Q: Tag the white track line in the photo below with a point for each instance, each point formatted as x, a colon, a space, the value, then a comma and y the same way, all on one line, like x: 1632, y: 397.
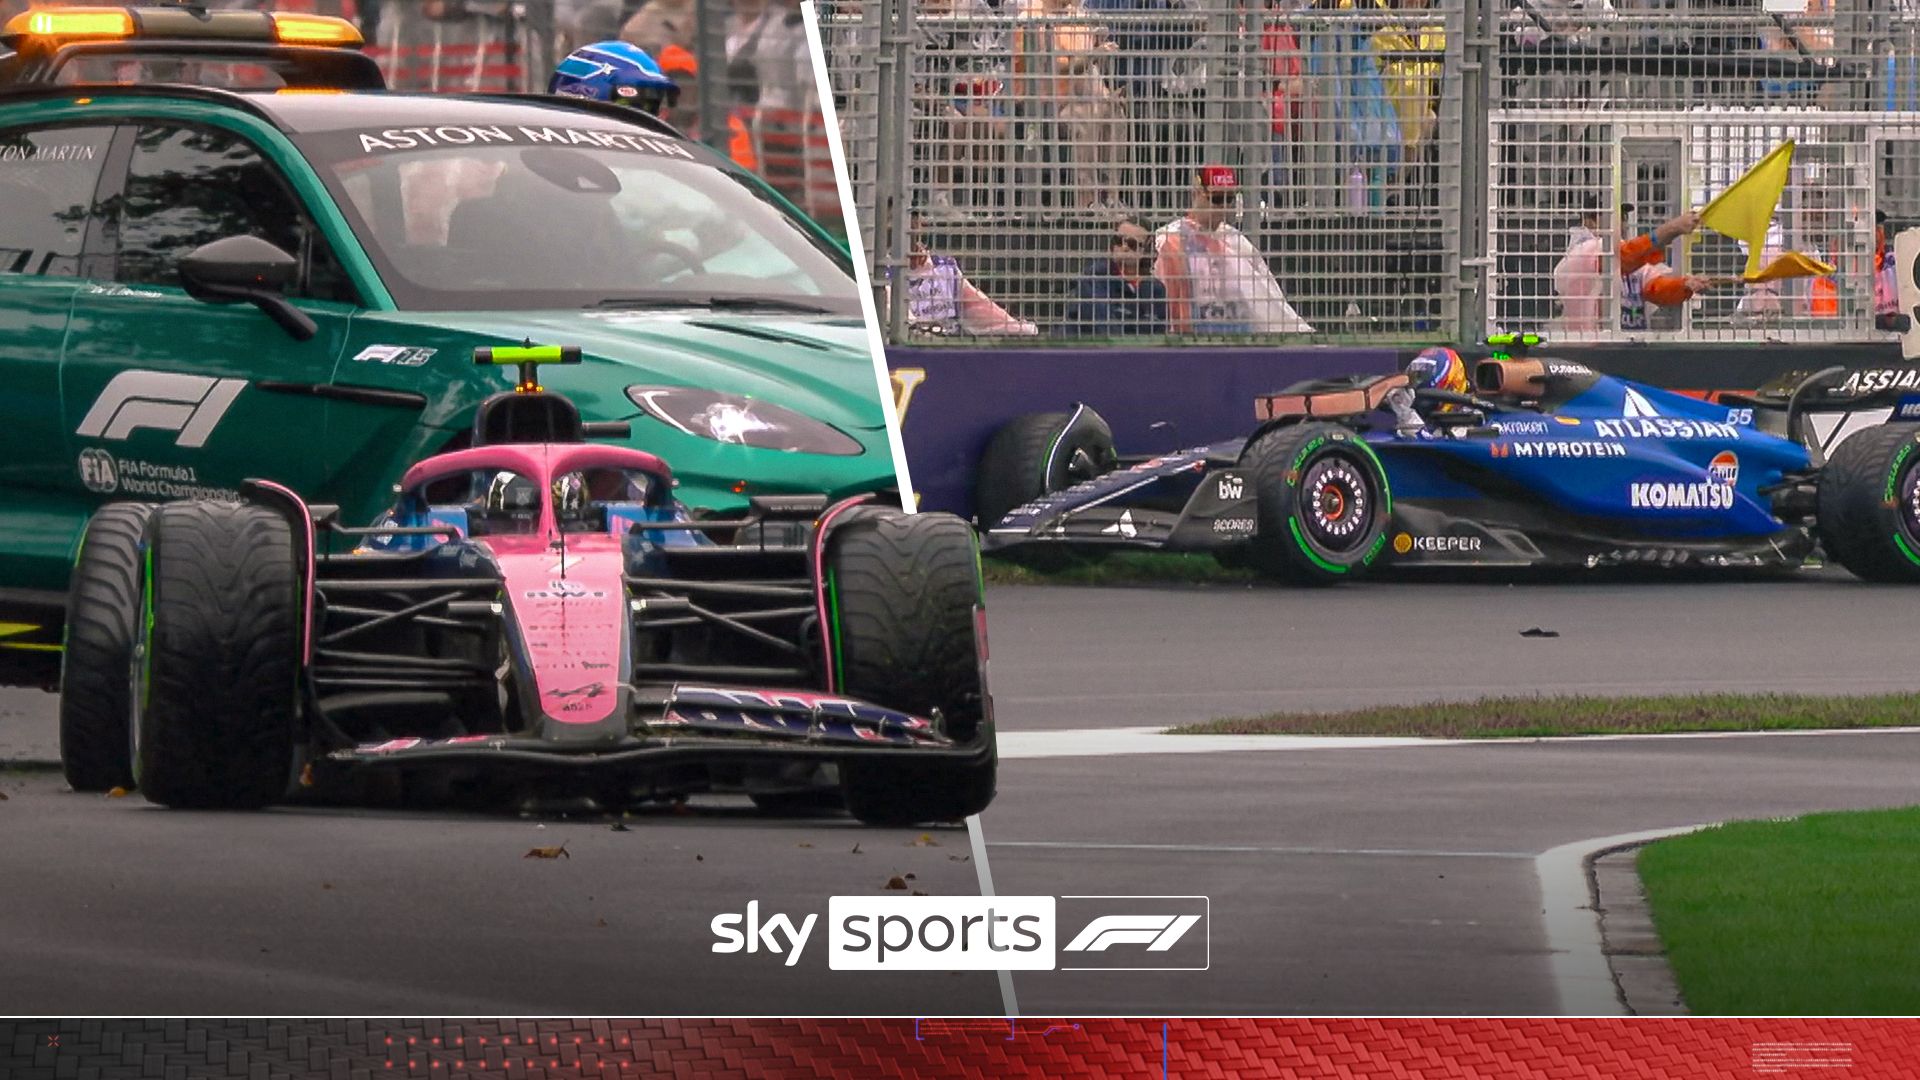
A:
x: 1110, y: 742
x: 1239, y: 849
x: 1581, y: 975
x: 977, y: 837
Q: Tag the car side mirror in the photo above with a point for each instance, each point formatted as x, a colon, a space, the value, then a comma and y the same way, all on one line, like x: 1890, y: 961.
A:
x: 247, y: 269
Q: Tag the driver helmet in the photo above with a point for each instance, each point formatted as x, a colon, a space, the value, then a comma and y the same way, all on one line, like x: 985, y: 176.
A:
x: 570, y: 497
x: 618, y: 72
x: 512, y: 495
x: 1439, y: 368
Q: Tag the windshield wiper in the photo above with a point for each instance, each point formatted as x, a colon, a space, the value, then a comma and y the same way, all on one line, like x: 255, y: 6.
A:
x: 767, y: 303
x: 717, y: 303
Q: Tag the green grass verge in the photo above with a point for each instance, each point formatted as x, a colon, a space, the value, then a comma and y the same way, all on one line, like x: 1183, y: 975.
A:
x: 1120, y: 568
x: 1804, y: 917
x: 1526, y: 717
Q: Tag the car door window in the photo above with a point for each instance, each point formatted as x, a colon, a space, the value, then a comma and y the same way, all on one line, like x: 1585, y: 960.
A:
x: 188, y: 185
x: 47, y: 180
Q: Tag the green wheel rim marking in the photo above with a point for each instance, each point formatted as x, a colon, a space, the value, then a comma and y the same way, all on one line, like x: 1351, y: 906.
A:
x: 1893, y: 474
x: 146, y: 655
x: 1380, y: 470
x: 1301, y: 542
x: 833, y: 608
x: 979, y: 576
x: 1906, y: 549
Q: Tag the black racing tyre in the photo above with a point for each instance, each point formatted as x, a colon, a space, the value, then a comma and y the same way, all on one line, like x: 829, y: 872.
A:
x: 1868, y: 511
x: 103, y: 601
x: 797, y: 803
x: 1322, y: 504
x: 903, y: 590
x: 216, y: 672
x: 1022, y: 463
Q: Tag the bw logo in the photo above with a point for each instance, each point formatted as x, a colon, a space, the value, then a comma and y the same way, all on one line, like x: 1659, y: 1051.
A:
x: 1231, y: 487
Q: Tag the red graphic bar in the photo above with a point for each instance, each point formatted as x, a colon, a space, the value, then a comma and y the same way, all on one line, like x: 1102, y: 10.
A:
x: 1352, y: 1049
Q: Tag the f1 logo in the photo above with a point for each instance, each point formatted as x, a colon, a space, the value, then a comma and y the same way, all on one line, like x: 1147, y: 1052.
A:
x: 1157, y: 932
x: 1134, y: 933
x: 190, y: 405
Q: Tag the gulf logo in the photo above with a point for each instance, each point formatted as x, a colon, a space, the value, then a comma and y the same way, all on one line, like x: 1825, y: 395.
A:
x: 1724, y: 467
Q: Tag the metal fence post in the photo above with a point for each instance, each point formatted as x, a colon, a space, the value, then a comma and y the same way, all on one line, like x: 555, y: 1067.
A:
x: 1470, y: 23
x: 712, y: 79
x: 892, y: 154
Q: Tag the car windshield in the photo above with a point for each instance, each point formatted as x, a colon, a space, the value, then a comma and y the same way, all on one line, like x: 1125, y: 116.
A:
x: 487, y: 217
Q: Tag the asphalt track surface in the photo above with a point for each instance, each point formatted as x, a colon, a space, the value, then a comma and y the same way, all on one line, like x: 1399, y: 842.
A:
x: 1070, y: 657
x: 1399, y: 880
x: 1342, y: 881
x: 113, y: 906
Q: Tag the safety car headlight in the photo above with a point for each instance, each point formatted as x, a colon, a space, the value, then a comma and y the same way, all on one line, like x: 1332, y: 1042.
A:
x: 742, y: 421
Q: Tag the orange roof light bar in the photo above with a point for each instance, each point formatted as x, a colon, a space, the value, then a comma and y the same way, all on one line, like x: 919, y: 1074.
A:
x: 72, y: 23
x: 298, y: 29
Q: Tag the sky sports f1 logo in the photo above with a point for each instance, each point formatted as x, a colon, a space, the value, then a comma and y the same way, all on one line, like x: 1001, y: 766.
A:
x: 985, y: 933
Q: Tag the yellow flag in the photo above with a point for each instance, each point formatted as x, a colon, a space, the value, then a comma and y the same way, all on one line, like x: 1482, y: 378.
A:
x: 1744, y: 210
x: 1790, y: 265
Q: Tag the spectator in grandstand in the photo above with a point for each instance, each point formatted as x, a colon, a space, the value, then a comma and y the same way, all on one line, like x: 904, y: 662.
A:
x: 1886, y: 286
x: 1645, y: 277
x: 1162, y: 90
x: 961, y: 106
x: 1280, y: 48
x: 1119, y: 294
x: 587, y: 20
x: 1216, y: 281
x: 660, y: 23
x: 1064, y: 58
x: 940, y: 299
x: 783, y: 59
x: 679, y: 65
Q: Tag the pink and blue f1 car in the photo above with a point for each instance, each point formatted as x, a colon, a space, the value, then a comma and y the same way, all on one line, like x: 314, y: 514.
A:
x: 538, y: 611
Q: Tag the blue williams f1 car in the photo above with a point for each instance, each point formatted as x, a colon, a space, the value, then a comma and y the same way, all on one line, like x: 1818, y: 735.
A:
x: 1508, y: 462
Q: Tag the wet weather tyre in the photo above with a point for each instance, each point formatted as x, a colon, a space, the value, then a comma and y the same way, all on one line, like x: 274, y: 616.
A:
x: 902, y: 593
x: 103, y: 602
x: 1322, y: 507
x: 1033, y: 454
x: 1869, y: 504
x: 216, y: 671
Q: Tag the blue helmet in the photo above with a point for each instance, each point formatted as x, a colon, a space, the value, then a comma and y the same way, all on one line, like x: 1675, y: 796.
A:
x: 618, y: 72
x: 1439, y: 368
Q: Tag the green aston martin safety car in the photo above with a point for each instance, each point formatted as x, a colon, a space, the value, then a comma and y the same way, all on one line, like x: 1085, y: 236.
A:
x: 286, y: 278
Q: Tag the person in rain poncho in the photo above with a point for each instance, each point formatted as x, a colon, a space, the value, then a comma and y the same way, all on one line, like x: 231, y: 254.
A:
x: 1216, y: 281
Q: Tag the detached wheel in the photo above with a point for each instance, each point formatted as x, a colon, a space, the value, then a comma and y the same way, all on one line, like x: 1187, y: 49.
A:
x: 216, y: 672
x: 1323, y: 504
x: 903, y: 590
x: 1869, y: 504
x: 103, y: 600
x: 1034, y: 454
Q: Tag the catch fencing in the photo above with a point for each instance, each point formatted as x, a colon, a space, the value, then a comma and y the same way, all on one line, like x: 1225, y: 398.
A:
x: 1408, y: 171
